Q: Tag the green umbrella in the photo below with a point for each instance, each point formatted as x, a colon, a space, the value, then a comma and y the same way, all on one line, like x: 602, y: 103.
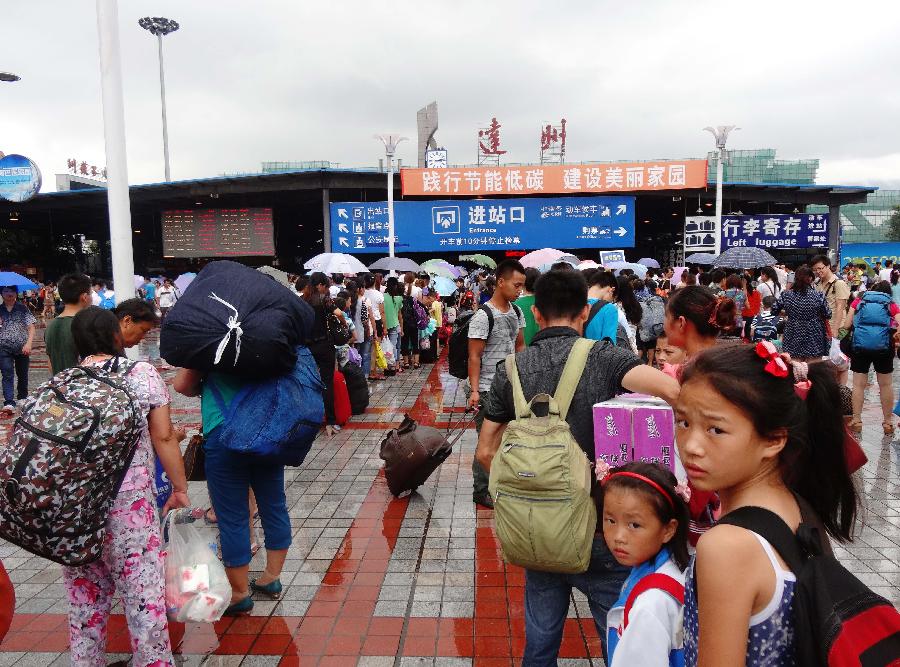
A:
x: 478, y: 258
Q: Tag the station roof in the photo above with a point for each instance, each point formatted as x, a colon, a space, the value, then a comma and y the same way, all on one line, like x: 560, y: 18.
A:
x: 350, y: 179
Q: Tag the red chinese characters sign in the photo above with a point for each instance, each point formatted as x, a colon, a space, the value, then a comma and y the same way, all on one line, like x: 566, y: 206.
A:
x: 555, y: 179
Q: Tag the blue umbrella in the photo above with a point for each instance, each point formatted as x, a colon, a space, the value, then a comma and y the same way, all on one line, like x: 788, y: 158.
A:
x: 739, y: 257
x: 444, y: 286
x: 648, y: 262
x: 639, y: 269
x: 12, y: 279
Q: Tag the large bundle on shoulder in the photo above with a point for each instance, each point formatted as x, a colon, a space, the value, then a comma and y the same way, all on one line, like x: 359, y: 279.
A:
x: 236, y: 320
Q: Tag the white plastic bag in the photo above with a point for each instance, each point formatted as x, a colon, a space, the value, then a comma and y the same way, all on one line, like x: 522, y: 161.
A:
x: 837, y: 357
x: 387, y: 347
x: 197, y: 589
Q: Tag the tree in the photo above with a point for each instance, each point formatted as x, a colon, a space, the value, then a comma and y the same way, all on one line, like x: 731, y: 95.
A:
x: 893, y: 226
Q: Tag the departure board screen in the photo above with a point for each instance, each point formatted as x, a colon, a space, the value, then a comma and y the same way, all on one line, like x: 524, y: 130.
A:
x: 218, y: 232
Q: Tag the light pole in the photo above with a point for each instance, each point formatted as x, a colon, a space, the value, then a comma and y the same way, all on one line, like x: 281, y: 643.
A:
x: 9, y: 77
x: 114, y: 135
x: 390, y: 142
x: 721, y: 133
x: 160, y: 26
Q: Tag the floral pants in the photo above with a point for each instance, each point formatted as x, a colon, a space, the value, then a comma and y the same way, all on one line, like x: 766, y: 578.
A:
x: 132, y: 562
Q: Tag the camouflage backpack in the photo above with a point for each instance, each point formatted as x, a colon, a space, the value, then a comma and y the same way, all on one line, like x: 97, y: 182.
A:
x: 63, y: 465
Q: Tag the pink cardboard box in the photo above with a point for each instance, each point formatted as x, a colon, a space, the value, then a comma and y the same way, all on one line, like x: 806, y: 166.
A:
x: 635, y: 427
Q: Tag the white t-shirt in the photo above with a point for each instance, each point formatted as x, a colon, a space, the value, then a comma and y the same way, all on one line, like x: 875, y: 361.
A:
x: 334, y: 289
x: 376, y: 298
x: 885, y: 274
x: 767, y: 289
x: 166, y: 297
x: 95, y: 298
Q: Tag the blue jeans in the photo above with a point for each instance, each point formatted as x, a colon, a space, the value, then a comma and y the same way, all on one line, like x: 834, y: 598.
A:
x: 394, y: 336
x: 14, y: 366
x: 547, y: 597
x: 365, y: 351
x: 230, y: 476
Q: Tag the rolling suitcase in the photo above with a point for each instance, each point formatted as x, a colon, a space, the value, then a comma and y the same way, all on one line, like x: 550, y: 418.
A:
x: 412, y: 452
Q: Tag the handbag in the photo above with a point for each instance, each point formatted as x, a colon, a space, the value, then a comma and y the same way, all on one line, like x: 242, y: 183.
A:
x: 195, y: 460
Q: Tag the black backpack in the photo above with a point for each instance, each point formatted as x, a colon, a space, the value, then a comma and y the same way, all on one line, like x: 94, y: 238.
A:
x: 838, y: 621
x: 458, y: 345
x: 621, y: 335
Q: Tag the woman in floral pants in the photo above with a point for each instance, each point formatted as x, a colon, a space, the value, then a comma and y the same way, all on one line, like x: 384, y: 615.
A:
x: 132, y: 560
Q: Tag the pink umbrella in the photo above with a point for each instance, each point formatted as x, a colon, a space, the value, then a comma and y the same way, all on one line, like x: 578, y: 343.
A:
x: 537, y: 258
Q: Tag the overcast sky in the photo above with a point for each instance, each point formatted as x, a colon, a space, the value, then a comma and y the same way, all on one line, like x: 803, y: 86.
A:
x: 283, y: 80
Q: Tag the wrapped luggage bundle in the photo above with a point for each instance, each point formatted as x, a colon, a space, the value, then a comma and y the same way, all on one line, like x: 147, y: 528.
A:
x: 236, y: 320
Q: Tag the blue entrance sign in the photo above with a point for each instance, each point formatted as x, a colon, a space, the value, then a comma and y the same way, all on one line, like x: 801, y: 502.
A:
x: 799, y: 230
x: 482, y: 224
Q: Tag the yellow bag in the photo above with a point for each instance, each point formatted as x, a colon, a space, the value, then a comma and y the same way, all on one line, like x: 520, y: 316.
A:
x: 380, y: 360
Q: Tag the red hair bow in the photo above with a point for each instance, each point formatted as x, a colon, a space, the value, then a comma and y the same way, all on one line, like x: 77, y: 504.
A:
x: 776, y: 365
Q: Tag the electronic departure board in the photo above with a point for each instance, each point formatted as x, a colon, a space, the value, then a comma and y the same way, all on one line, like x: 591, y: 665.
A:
x: 218, y: 232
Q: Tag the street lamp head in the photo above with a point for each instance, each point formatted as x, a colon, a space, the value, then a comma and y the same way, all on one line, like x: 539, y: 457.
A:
x: 9, y: 76
x: 158, y: 25
x: 390, y: 142
x: 721, y: 133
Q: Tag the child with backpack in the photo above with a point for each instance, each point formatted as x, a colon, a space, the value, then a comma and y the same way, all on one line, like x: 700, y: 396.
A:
x: 645, y: 525
x: 767, y: 324
x: 763, y: 432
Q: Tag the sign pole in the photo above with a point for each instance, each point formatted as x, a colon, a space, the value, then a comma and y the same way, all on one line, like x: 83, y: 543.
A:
x: 162, y: 97
x: 720, y: 169
x: 114, y: 135
x: 390, y: 199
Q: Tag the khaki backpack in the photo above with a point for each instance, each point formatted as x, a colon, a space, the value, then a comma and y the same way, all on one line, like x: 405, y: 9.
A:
x: 541, y: 479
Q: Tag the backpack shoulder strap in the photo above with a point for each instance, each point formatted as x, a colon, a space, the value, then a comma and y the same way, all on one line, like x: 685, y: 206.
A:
x: 594, y: 310
x: 512, y: 372
x: 773, y: 529
x: 653, y: 581
x: 490, y: 316
x: 571, y: 374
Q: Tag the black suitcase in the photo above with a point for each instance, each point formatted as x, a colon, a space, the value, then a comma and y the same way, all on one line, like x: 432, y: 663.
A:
x: 357, y: 387
x: 412, y: 452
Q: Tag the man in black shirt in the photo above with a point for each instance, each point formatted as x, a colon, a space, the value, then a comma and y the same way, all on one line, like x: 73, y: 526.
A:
x: 560, y: 308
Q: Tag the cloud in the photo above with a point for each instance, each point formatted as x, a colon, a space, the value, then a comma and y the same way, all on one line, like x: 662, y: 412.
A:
x: 279, y: 80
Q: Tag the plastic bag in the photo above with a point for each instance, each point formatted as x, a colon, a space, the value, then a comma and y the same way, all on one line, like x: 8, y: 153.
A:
x: 380, y: 361
x: 389, y: 352
x: 353, y: 356
x: 197, y: 589
x: 836, y: 356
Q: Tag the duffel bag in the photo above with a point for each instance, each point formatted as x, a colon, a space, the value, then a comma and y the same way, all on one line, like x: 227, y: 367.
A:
x: 276, y: 419
x: 236, y: 320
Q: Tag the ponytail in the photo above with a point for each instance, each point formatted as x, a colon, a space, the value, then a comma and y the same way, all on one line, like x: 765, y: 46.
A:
x: 698, y: 305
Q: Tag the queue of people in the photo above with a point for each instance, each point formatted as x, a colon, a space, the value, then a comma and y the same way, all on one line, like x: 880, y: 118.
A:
x: 746, y: 361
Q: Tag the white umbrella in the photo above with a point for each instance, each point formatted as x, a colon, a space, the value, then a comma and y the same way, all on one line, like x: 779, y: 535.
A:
x: 184, y: 280
x: 587, y: 264
x: 139, y: 281
x: 395, y: 264
x: 335, y: 262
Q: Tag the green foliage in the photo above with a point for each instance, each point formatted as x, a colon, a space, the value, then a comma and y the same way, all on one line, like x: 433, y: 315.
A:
x: 892, y: 231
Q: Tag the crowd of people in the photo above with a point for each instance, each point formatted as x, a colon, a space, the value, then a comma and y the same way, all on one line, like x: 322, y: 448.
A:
x: 754, y: 363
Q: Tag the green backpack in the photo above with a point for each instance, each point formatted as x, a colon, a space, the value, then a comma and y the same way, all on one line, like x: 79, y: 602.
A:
x: 541, y: 479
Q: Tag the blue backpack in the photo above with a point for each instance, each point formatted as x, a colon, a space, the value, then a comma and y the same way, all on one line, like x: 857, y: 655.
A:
x: 107, y: 302
x: 276, y: 419
x: 872, y: 323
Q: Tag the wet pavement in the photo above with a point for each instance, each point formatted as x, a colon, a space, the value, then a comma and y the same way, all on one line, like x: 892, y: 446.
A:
x: 371, y: 580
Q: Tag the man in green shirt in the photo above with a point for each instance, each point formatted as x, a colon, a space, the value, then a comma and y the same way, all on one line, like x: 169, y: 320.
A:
x: 526, y: 301
x: 75, y: 292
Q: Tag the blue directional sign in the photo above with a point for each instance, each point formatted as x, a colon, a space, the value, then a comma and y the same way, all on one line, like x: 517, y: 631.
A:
x: 483, y: 224
x: 799, y: 230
